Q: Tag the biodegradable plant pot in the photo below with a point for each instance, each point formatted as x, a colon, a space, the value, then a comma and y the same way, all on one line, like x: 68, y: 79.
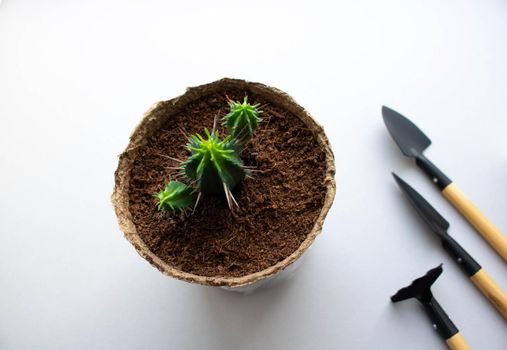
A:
x: 282, y: 206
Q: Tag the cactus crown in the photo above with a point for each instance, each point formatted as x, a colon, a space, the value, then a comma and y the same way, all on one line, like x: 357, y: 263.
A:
x: 175, y: 195
x: 242, y: 120
x: 213, y: 163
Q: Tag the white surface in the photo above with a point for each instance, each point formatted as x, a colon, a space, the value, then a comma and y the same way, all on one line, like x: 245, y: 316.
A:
x: 75, y: 77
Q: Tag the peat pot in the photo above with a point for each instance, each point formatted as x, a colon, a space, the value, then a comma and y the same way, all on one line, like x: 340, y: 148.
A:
x: 282, y: 203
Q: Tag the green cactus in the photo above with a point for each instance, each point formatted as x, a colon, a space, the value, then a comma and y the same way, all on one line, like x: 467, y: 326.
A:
x: 175, y: 195
x: 214, y: 164
x: 242, y: 120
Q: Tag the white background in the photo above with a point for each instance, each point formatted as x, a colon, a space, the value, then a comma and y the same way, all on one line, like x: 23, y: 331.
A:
x: 75, y: 78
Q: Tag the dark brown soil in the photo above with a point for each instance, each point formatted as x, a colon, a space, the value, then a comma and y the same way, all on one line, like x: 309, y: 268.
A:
x: 278, y: 205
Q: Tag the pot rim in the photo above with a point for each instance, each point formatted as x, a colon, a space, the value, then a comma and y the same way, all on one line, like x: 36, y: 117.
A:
x: 154, y: 118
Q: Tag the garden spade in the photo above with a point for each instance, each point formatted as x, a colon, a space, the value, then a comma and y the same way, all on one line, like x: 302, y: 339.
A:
x: 421, y: 290
x: 470, y: 267
x: 412, y: 143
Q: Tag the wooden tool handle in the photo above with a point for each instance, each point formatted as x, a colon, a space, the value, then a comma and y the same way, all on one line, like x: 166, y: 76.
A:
x: 457, y: 342
x: 481, y: 223
x: 491, y: 290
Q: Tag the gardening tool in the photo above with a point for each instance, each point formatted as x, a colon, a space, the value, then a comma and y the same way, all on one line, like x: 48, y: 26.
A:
x: 421, y: 290
x: 412, y: 143
x: 474, y: 271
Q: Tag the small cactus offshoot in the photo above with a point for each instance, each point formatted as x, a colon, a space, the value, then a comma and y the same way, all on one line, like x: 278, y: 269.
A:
x: 242, y: 120
x: 214, y: 164
x: 175, y: 195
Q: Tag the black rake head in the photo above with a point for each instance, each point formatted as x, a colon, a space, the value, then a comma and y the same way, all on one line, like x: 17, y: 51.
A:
x: 419, y: 288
